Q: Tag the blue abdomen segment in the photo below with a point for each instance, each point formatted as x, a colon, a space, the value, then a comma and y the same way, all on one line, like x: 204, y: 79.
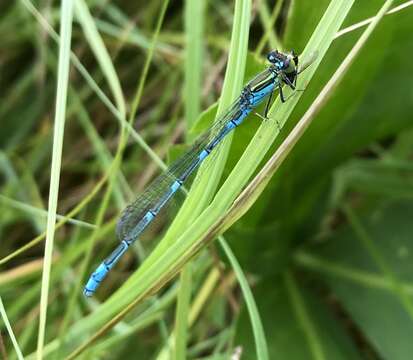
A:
x: 230, y: 125
x: 95, y: 280
x: 164, y: 199
x: 102, y: 270
x: 140, y: 226
x: 204, y: 153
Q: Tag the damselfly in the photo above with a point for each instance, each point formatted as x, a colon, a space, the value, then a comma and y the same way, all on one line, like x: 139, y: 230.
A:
x: 283, y: 70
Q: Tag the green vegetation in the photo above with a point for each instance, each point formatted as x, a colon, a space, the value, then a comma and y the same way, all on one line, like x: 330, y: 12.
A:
x: 294, y: 241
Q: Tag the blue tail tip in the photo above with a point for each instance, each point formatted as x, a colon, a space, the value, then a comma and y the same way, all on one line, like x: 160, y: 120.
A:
x: 87, y: 292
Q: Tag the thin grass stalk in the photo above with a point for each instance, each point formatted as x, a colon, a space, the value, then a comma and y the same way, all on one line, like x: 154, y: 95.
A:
x: 194, y: 29
x: 194, y: 10
x: 101, y: 54
x: 365, y: 22
x: 76, y: 290
x: 59, y: 122
x: 261, y: 346
x: 182, y: 311
x: 304, y: 317
x: 269, y: 26
x: 362, y: 278
x: 35, y: 211
x: 10, y: 331
x: 370, y: 246
x: 195, y: 309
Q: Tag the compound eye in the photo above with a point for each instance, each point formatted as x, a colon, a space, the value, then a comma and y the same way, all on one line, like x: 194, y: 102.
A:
x: 271, y: 57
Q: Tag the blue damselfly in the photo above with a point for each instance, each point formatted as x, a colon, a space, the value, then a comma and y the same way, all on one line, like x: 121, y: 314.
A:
x: 283, y: 70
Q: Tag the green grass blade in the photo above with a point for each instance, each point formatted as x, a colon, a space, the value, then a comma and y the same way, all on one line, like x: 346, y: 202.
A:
x: 103, y: 154
x: 29, y: 209
x: 257, y: 327
x: 101, y: 54
x: 203, y: 295
x: 194, y: 10
x: 182, y: 313
x: 59, y: 123
x: 70, y: 214
x: 379, y: 258
x: 10, y: 330
x: 268, y: 20
x: 304, y: 318
x: 365, y: 22
x: 194, y: 23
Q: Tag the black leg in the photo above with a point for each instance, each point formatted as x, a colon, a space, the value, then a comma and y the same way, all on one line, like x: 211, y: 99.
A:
x: 267, y: 107
x: 288, y: 82
x: 280, y: 89
x: 292, y: 86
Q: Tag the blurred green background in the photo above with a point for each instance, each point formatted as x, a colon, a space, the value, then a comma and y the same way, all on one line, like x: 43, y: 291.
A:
x: 326, y: 248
